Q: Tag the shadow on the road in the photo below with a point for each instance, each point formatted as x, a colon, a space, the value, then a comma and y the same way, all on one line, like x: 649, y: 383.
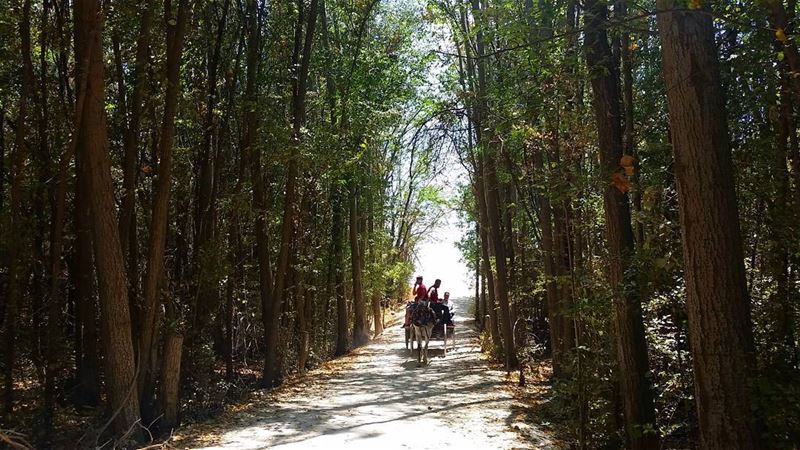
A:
x: 382, y: 384
x: 302, y: 435
x: 410, y: 365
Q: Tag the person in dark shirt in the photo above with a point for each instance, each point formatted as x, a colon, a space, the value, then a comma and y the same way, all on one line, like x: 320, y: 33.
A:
x: 442, y: 311
x: 450, y: 308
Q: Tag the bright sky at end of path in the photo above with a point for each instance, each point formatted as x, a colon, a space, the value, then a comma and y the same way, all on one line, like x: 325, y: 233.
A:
x: 437, y: 255
x: 440, y: 258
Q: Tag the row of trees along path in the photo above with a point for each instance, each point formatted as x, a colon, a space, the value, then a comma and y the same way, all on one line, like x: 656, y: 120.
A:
x: 198, y: 199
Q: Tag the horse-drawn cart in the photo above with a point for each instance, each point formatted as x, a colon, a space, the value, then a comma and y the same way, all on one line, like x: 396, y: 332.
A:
x: 423, y: 330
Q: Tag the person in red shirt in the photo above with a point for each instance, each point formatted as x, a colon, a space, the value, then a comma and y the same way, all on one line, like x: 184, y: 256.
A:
x: 433, y: 292
x: 420, y: 293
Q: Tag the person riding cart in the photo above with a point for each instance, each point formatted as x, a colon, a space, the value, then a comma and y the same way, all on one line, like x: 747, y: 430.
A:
x: 420, y: 293
x: 451, y: 307
x: 442, y: 310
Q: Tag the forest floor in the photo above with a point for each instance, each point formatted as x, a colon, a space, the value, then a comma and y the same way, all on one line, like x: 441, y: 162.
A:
x: 378, y: 397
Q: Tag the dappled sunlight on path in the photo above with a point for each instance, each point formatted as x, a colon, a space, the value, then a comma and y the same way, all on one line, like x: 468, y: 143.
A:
x: 379, y: 398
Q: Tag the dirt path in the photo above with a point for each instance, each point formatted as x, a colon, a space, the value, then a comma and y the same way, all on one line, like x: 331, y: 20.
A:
x: 379, y: 398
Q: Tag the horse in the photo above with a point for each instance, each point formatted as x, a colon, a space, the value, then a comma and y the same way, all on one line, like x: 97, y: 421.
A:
x: 422, y: 322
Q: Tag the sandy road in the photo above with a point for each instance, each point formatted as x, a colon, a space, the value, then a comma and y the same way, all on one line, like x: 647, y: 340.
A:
x: 379, y: 398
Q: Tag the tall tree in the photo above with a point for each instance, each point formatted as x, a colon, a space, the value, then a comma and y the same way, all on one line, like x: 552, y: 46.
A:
x: 631, y: 348
x: 204, y: 217
x: 337, y: 252
x: 113, y: 286
x: 127, y: 212
x: 301, y: 66
x: 87, y: 355
x: 718, y: 305
x: 20, y: 154
x: 360, y: 328
x: 176, y: 22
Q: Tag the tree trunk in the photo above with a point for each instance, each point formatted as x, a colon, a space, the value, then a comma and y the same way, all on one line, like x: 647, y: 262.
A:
x: 47, y: 190
x: 206, y: 168
x: 484, y: 300
x: 562, y: 258
x: 360, y: 328
x: 376, y: 312
x: 555, y: 316
x: 780, y: 215
x: 271, y: 375
x: 628, y: 141
x: 271, y: 371
x: 492, y: 197
x: 2, y: 175
x: 508, y: 200
x: 479, y: 112
x: 304, y: 305
x: 88, y: 375
x: 486, y: 251
x: 158, y: 219
x: 628, y: 325
x: 234, y: 253
x: 338, y: 258
x: 113, y: 285
x: 127, y: 211
x: 375, y: 258
x: 58, y: 201
x: 478, y: 309
x: 781, y: 211
x: 303, y: 311
x: 501, y: 280
x: 42, y: 193
x: 207, y: 291
x: 250, y: 151
x: 171, y: 381
x: 717, y: 302
x: 16, y: 240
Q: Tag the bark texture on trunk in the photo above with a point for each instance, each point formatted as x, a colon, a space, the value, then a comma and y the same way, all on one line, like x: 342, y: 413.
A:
x: 15, y: 285
x: 127, y: 212
x: 376, y: 313
x: 171, y: 381
x: 477, y: 78
x: 785, y: 207
x: 479, y: 187
x: 555, y: 315
x: 628, y: 325
x: 493, y: 215
x: 159, y: 217
x: 360, y: 328
x: 88, y: 373
x: 253, y: 154
x: 337, y: 236
x: 115, y: 323
x: 717, y: 301
x: 301, y: 62
x: 205, y: 227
